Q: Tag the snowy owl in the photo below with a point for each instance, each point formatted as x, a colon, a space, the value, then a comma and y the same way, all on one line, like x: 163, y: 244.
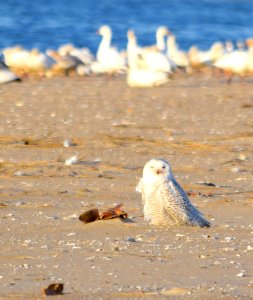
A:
x: 165, y: 202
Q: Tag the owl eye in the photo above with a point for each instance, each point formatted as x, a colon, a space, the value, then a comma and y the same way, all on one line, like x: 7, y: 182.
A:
x: 163, y: 167
x: 151, y: 167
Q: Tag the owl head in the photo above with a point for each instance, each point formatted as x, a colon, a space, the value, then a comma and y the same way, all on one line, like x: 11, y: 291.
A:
x: 157, y: 169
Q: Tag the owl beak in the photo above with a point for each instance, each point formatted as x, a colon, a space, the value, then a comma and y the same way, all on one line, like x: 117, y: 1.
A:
x: 158, y: 172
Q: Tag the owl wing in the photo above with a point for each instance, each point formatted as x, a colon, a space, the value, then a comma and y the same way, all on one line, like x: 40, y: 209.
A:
x: 178, y: 205
x: 188, y: 205
x: 173, y: 202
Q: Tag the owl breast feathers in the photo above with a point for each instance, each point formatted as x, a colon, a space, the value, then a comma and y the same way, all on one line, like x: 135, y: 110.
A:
x: 165, y: 202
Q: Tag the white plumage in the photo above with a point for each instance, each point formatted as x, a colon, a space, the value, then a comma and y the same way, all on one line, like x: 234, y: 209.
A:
x: 6, y: 75
x: 164, y: 200
x: 178, y: 56
x: 235, y: 62
x: 139, y: 73
x: 109, y: 59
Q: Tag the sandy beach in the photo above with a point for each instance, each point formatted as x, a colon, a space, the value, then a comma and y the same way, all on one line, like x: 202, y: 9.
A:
x: 201, y: 124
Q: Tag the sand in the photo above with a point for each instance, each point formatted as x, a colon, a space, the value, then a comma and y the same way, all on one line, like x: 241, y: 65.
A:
x: 202, y: 125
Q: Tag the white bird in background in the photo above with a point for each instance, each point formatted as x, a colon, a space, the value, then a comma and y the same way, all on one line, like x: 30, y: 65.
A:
x: 234, y: 62
x: 109, y: 59
x: 200, y: 58
x: 237, y: 62
x: 154, y: 56
x: 84, y: 54
x: 139, y: 74
x: 178, y: 56
x: 6, y: 75
x: 22, y: 59
x: 161, y: 33
x: 165, y: 202
x: 133, y: 50
x: 67, y: 64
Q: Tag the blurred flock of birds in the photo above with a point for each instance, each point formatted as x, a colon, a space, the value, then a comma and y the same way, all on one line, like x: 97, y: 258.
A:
x: 144, y: 66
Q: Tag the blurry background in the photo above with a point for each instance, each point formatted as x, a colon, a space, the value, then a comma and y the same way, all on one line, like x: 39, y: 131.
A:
x: 45, y: 24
